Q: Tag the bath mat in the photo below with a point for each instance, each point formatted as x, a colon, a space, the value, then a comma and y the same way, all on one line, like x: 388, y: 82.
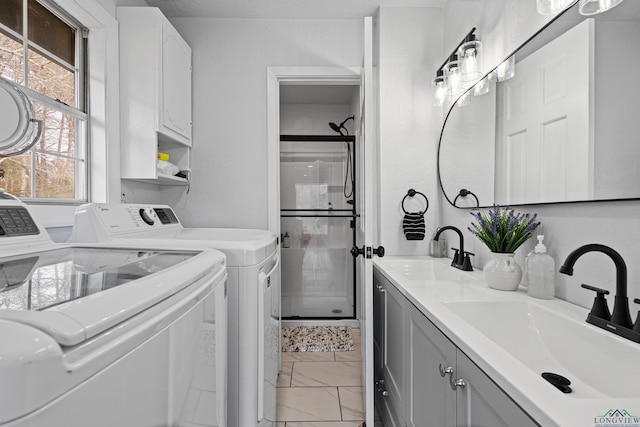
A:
x: 317, y: 338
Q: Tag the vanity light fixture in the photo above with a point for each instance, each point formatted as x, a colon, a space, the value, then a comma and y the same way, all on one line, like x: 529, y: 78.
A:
x: 504, y: 71
x: 458, y: 72
x: 551, y: 7
x: 470, y: 58
x: 593, y: 7
x: 481, y: 87
x: 439, y: 89
x: 453, y: 77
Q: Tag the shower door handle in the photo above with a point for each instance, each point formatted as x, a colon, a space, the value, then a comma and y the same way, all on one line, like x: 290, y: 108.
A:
x: 355, y: 251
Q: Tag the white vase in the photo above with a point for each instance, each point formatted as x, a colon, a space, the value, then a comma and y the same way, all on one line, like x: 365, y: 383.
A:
x: 502, y: 272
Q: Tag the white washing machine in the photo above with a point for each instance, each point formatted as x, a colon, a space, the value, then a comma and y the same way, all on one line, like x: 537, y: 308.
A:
x: 108, y: 334
x: 254, y: 293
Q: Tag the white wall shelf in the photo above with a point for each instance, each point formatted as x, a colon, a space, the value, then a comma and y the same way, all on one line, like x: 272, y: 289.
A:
x: 155, y: 95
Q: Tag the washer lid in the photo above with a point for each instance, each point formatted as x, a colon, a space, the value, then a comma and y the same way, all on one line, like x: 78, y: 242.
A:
x: 75, y: 293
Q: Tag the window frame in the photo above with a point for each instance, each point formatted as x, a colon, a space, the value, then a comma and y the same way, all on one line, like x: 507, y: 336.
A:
x: 80, y: 112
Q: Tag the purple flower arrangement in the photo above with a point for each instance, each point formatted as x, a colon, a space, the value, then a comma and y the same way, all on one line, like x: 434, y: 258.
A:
x: 502, y: 230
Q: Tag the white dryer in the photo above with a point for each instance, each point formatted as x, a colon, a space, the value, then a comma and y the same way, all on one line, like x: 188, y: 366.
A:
x: 108, y: 334
x: 254, y: 293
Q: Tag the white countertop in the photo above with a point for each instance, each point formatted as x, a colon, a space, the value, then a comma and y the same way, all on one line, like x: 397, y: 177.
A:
x: 545, y: 404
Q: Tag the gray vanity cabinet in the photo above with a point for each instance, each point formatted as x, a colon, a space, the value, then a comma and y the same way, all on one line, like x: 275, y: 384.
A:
x: 488, y: 405
x: 409, y: 351
x: 430, y: 399
x: 390, y: 342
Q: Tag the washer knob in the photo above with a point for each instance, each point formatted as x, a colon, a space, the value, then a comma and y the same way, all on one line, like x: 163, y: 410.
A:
x: 147, y: 215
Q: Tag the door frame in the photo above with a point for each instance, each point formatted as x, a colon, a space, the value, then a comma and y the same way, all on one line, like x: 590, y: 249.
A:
x: 348, y: 76
x: 290, y: 75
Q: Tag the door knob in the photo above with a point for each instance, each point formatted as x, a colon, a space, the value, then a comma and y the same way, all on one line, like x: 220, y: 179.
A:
x: 355, y: 251
x: 379, y: 251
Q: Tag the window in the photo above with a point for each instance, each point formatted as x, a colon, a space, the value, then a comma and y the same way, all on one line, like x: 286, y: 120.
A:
x: 43, y: 51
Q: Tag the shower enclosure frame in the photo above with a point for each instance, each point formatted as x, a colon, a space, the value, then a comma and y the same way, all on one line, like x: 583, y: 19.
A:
x: 350, y: 140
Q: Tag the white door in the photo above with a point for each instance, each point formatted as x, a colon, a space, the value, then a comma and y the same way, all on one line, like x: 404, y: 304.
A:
x: 546, y: 123
x: 365, y: 230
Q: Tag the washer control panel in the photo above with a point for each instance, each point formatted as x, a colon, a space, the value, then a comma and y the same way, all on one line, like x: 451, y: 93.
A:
x: 16, y: 221
x: 166, y: 216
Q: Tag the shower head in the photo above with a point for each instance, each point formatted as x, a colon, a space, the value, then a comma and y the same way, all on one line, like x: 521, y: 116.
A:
x: 335, y: 127
x: 338, y: 128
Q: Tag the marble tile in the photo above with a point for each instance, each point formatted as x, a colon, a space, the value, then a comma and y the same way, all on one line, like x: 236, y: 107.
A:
x: 284, y: 378
x: 308, y: 404
x: 325, y: 424
x: 307, y: 356
x: 320, y: 374
x: 351, y: 403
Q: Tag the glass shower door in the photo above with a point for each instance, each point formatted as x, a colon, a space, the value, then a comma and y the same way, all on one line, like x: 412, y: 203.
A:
x: 316, y: 229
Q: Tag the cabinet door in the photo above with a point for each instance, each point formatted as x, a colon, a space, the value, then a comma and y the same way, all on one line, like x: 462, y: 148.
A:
x: 394, y: 346
x: 481, y: 403
x: 176, y: 83
x: 430, y: 400
x: 378, y: 326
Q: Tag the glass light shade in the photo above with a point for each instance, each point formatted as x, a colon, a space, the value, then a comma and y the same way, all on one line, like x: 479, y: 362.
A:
x: 439, y: 90
x: 470, y: 58
x: 551, y: 7
x: 593, y: 7
x: 481, y: 87
x: 504, y: 71
x: 452, y: 73
x: 464, y: 100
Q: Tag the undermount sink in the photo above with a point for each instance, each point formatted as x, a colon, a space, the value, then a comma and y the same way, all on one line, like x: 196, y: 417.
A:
x: 597, y: 363
x: 427, y: 269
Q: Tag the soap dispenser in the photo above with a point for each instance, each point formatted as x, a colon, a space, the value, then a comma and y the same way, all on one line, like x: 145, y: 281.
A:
x: 540, y: 272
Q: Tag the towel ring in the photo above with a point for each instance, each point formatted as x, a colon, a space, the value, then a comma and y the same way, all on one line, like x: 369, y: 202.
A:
x: 412, y: 193
x: 464, y: 193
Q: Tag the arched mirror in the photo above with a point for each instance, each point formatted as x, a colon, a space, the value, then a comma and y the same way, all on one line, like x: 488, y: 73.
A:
x: 19, y: 129
x: 563, y: 128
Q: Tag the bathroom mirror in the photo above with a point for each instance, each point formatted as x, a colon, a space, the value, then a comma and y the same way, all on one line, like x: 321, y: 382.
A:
x: 19, y: 129
x: 562, y: 129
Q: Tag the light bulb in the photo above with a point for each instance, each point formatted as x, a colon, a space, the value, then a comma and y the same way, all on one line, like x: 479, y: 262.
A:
x: 551, y: 7
x: 504, y: 71
x: 439, y: 90
x: 470, y: 61
x: 481, y: 87
x: 452, y: 74
x: 464, y: 100
x: 593, y: 7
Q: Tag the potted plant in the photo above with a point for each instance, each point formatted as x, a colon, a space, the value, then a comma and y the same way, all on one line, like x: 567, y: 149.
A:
x: 503, y: 231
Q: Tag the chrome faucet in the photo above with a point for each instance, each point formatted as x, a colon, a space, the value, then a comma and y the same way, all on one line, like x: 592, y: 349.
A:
x: 461, y: 258
x: 619, y: 322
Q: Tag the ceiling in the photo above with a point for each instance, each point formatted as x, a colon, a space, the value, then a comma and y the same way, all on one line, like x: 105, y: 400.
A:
x: 281, y: 9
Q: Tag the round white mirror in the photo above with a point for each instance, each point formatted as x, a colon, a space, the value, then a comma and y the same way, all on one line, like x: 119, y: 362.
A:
x: 19, y: 129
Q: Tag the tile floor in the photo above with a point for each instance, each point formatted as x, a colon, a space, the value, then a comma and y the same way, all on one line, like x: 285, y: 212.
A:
x: 321, y: 389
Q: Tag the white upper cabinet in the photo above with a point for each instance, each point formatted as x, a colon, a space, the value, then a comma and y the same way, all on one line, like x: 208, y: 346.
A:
x: 176, y: 83
x: 155, y: 95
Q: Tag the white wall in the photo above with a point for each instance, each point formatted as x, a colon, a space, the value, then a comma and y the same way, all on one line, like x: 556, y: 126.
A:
x: 230, y: 60
x: 410, y: 51
x: 566, y: 226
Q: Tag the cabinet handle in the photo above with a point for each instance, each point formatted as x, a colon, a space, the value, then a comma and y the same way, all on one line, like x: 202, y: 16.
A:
x: 453, y: 382
x: 444, y: 371
x: 457, y: 383
x: 381, y: 289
